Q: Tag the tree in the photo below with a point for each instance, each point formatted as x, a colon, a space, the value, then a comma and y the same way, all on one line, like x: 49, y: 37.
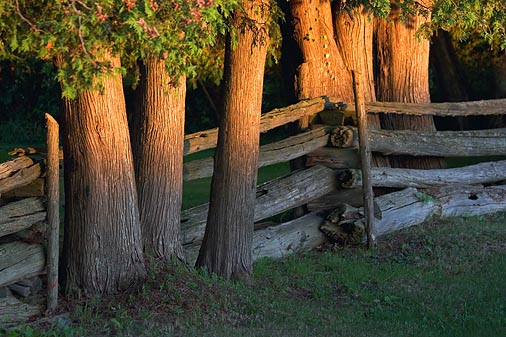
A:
x: 102, y: 247
x: 158, y: 122
x: 403, y: 76
x: 103, y: 244
x: 157, y: 142
x: 226, y: 248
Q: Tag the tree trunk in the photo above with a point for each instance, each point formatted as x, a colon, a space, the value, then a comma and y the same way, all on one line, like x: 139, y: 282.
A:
x: 322, y: 71
x: 157, y: 143
x: 354, y: 41
x: 226, y: 249
x: 403, y: 76
x: 102, y: 246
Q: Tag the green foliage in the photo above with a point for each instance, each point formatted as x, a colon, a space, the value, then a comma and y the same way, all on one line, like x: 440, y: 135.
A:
x: 82, y: 35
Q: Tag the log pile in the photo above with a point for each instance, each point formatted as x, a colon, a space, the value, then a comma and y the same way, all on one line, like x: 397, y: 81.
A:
x: 22, y: 230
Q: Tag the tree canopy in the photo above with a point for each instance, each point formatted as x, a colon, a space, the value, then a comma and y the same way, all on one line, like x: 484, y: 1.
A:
x: 82, y: 33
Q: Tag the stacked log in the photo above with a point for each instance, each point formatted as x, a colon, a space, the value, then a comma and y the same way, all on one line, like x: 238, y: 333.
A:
x: 22, y: 228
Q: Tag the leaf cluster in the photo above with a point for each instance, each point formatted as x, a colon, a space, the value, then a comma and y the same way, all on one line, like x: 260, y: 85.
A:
x: 82, y: 35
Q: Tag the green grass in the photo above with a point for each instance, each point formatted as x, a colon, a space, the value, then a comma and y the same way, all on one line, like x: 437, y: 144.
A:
x: 442, y: 279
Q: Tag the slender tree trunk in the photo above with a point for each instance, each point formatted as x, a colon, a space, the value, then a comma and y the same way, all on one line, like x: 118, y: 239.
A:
x: 102, y: 245
x: 403, y: 76
x: 227, y: 246
x: 157, y: 143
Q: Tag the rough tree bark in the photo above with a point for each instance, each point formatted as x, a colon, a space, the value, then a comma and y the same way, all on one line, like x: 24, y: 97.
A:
x: 102, y: 247
x: 403, y: 76
x: 227, y: 245
x: 322, y: 71
x: 157, y: 143
x: 354, y: 36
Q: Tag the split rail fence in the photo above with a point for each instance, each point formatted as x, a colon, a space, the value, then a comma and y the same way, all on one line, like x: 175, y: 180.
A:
x: 329, y: 186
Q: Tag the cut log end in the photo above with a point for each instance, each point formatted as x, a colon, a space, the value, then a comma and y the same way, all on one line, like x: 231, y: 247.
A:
x: 343, y: 136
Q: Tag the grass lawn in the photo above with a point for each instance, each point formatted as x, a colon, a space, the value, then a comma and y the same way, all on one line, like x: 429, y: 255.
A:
x: 441, y: 279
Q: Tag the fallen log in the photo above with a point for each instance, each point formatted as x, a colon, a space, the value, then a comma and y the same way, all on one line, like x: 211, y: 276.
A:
x: 450, y: 109
x: 273, y: 153
x: 279, y: 240
x: 22, y: 177
x: 207, y: 139
x: 483, y: 173
x: 411, y: 207
x: 19, y: 215
x: 475, y: 143
x: 20, y: 260
x: 14, y: 311
x: 273, y: 197
x: 9, y: 167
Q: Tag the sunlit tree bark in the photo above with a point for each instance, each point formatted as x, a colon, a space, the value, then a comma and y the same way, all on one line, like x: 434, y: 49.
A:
x: 403, y: 76
x: 102, y: 244
x: 157, y: 143
x: 226, y: 249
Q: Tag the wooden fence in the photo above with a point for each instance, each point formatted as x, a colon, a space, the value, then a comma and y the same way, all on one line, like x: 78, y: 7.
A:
x: 332, y: 177
x: 329, y: 185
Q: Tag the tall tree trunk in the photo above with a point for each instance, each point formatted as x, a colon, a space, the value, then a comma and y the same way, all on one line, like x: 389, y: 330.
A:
x: 322, y: 71
x: 227, y: 244
x: 354, y: 37
x: 403, y: 76
x: 157, y: 143
x: 102, y: 245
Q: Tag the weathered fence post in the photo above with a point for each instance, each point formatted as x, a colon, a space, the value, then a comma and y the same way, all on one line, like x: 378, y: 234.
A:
x: 365, y: 158
x: 53, y: 215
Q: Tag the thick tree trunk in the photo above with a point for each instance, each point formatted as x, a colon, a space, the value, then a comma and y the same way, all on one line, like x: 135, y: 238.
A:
x: 403, y: 76
x: 103, y: 246
x: 354, y: 40
x: 226, y: 249
x: 322, y: 71
x: 157, y: 143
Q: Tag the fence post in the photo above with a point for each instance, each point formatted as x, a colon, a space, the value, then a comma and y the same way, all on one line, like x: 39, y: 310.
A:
x: 365, y: 157
x: 53, y: 211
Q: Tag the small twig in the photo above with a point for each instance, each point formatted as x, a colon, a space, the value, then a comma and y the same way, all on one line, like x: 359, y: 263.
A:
x: 34, y: 27
x: 80, y: 32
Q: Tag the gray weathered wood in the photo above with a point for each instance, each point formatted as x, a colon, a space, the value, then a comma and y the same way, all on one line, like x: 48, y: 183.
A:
x: 13, y: 311
x: 482, y: 173
x: 207, y: 139
x: 53, y: 211
x: 9, y: 167
x: 351, y: 196
x: 450, y: 109
x: 336, y: 158
x: 273, y: 197
x: 20, y: 260
x: 33, y: 189
x: 441, y: 143
x: 411, y: 207
x: 20, y: 178
x: 365, y: 158
x: 19, y: 215
x: 20, y: 289
x: 287, y: 238
x: 278, y: 152
x: 279, y: 240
